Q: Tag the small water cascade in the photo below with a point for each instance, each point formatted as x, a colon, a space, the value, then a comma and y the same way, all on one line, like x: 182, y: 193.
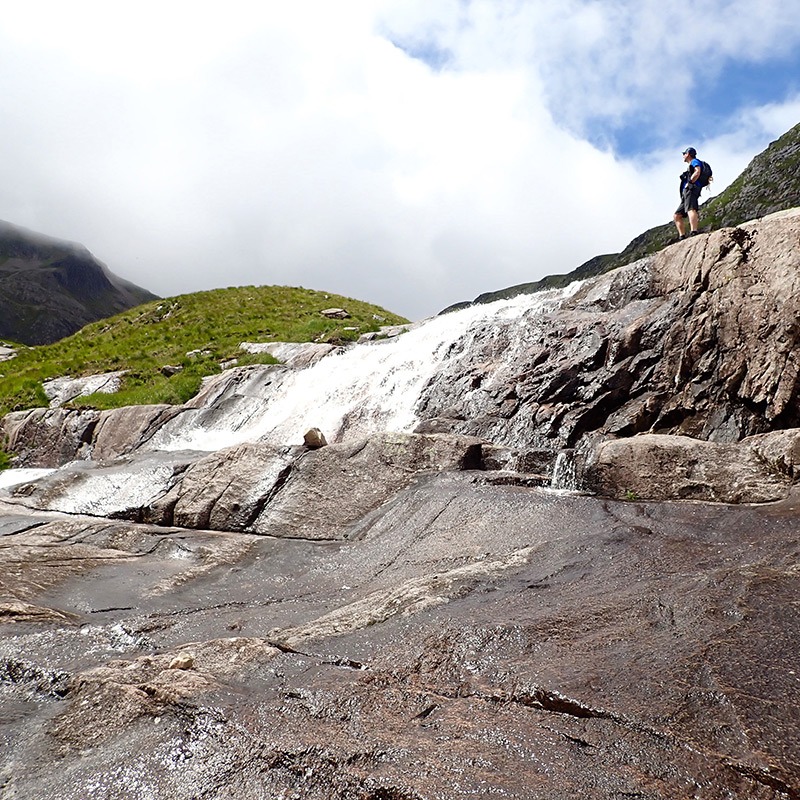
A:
x: 13, y: 477
x: 565, y: 472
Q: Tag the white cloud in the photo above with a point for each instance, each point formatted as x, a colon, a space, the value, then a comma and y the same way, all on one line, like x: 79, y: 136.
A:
x: 194, y: 145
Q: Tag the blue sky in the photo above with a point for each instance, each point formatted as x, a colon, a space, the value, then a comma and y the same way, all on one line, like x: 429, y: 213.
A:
x: 720, y: 98
x: 626, y: 101
x: 413, y: 153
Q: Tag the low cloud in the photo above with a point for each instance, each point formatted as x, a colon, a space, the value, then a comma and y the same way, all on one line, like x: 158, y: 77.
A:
x: 408, y: 154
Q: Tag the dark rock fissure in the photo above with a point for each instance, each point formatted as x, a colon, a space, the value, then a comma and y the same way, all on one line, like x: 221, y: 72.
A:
x: 47, y: 682
x: 765, y: 778
x: 258, y: 509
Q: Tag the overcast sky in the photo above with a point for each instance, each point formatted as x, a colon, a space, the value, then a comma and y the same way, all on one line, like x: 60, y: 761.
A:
x: 411, y: 153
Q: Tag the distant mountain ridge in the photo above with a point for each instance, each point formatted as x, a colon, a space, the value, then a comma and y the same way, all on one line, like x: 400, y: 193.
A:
x: 769, y: 183
x: 51, y: 288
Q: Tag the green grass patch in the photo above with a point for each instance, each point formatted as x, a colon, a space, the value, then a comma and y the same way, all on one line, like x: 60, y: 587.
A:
x: 197, y: 332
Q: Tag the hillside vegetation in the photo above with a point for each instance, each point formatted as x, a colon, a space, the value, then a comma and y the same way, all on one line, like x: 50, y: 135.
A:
x: 197, y: 332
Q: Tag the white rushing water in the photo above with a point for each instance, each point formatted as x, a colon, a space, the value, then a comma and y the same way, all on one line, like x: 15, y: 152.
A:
x: 13, y: 477
x: 565, y: 472
x: 349, y: 394
x: 357, y: 392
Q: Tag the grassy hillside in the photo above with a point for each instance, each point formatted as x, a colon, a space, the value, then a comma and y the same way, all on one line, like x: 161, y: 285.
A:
x: 195, y: 331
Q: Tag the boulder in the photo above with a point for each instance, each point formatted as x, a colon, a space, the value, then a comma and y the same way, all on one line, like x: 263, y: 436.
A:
x: 43, y: 437
x: 61, y: 390
x: 182, y: 661
x: 387, y: 332
x: 314, y: 438
x: 335, y: 313
x: 234, y: 386
x: 659, y: 467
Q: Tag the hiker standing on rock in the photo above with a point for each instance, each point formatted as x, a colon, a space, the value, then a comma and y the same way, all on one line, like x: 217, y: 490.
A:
x: 691, y: 186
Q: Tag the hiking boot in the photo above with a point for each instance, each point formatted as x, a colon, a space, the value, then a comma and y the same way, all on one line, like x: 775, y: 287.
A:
x: 694, y: 233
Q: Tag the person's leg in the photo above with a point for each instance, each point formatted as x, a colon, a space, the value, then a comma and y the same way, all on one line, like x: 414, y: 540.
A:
x: 680, y: 218
x: 692, y: 205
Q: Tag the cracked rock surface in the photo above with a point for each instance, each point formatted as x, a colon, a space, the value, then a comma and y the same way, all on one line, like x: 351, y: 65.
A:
x: 472, y: 640
x: 698, y: 340
x: 406, y: 614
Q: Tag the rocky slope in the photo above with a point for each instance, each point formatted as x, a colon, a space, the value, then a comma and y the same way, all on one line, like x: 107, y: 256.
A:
x: 770, y: 183
x: 700, y: 340
x: 51, y: 288
x: 469, y: 640
x: 195, y: 604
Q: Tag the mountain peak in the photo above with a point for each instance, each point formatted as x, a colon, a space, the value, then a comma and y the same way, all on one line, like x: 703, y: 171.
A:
x: 51, y: 288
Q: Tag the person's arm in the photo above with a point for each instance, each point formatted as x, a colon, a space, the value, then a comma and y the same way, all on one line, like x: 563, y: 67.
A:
x: 695, y: 176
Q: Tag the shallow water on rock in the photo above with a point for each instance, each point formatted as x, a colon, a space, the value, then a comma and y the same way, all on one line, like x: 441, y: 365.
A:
x: 476, y: 640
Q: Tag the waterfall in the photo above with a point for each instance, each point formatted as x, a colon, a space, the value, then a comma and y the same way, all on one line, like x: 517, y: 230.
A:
x: 565, y: 472
x: 349, y: 394
x: 353, y: 393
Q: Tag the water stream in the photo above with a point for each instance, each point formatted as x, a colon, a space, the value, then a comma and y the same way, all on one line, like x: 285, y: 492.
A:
x: 352, y: 393
x: 349, y: 394
x: 565, y: 472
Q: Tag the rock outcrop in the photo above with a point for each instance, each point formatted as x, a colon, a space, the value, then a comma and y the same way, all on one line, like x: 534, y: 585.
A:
x: 770, y: 183
x: 698, y: 340
x: 197, y: 601
x: 256, y: 488
x: 471, y: 640
x: 760, y: 469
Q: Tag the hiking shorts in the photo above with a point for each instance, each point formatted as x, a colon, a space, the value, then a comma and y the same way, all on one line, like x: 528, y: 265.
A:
x: 689, y: 200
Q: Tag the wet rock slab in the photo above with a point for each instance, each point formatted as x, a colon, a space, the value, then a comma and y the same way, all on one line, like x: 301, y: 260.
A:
x: 472, y: 640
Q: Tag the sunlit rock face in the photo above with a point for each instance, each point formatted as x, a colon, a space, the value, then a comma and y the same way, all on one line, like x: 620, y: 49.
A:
x: 699, y: 340
x: 759, y: 469
x: 200, y: 601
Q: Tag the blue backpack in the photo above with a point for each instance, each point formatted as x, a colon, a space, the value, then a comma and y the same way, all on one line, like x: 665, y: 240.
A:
x: 706, y: 174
